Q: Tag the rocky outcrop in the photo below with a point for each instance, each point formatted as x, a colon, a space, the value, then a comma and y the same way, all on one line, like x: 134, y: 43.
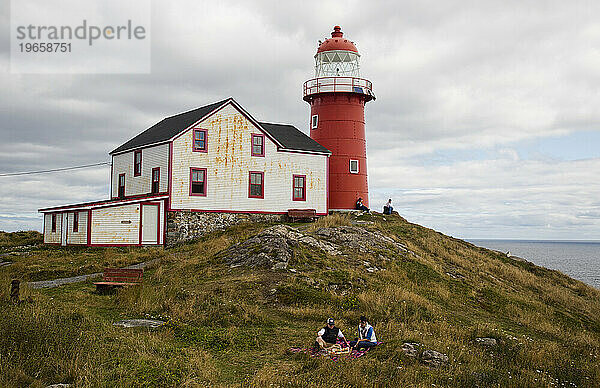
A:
x: 358, y: 239
x: 274, y: 247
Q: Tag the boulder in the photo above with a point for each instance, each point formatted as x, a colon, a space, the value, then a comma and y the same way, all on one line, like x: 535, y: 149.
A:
x: 433, y: 359
x: 410, y: 349
x: 486, y: 341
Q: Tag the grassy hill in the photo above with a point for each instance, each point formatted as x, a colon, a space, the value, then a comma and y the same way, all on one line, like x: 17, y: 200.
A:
x: 232, y: 317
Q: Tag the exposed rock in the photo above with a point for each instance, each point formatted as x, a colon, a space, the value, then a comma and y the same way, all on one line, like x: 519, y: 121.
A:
x: 273, y: 247
x: 486, y: 341
x: 410, y: 349
x: 149, y: 323
x: 358, y: 239
x: 433, y: 359
x: 59, y: 385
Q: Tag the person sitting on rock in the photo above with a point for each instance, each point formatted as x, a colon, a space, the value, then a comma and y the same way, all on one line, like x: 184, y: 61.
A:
x: 327, y: 336
x: 360, y: 205
x: 366, y: 335
x: 387, y: 208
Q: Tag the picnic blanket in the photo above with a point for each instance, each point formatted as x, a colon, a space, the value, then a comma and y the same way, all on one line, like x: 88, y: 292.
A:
x: 345, y: 353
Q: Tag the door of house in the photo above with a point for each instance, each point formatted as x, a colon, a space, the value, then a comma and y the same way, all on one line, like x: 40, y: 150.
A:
x: 149, y: 225
x: 64, y: 228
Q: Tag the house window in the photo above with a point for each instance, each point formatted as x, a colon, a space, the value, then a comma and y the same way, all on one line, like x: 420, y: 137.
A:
x: 200, y: 136
x: 299, y: 188
x: 258, y: 145
x: 137, y: 163
x: 354, y: 166
x: 53, y: 223
x: 155, y: 180
x: 314, y: 122
x: 256, y: 185
x: 121, y: 185
x: 76, y: 222
x: 198, y: 181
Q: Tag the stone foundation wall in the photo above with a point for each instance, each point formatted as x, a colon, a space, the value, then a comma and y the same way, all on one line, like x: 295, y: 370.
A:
x: 185, y: 225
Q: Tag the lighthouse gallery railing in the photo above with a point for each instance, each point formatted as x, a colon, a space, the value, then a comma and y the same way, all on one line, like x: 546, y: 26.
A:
x: 338, y: 84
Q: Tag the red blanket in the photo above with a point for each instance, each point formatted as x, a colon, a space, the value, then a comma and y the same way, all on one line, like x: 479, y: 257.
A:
x: 318, y: 352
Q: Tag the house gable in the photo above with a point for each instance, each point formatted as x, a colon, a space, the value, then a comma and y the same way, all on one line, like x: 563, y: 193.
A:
x: 228, y: 161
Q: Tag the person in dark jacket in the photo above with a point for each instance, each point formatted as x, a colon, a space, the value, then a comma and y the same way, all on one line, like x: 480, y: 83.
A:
x: 328, y: 335
x: 360, y: 205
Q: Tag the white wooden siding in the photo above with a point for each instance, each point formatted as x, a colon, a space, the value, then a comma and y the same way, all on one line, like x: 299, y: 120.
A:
x: 118, y: 225
x: 50, y: 237
x: 79, y: 237
x: 157, y: 156
x: 228, y: 163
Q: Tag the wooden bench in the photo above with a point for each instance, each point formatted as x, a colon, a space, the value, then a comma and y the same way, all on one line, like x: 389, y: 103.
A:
x: 302, y: 214
x: 119, y: 277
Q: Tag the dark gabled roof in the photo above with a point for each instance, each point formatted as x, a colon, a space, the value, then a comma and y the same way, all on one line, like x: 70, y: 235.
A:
x: 169, y: 127
x: 292, y: 138
x: 288, y: 136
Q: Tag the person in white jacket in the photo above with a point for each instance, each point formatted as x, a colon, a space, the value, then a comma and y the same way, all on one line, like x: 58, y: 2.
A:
x: 366, y: 335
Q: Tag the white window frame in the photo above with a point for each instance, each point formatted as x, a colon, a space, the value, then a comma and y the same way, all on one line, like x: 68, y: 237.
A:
x: 314, y: 121
x: 357, y: 168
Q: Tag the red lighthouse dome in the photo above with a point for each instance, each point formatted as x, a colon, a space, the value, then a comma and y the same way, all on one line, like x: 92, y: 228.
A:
x: 337, y: 42
x: 337, y: 97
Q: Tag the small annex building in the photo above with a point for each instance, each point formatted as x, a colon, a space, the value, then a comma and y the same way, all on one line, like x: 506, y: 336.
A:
x: 216, y: 159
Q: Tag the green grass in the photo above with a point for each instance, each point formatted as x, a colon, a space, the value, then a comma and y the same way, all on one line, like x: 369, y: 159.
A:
x: 231, y: 327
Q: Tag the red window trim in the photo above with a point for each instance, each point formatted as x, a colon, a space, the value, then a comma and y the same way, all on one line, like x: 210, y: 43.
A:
x: 75, y: 222
x: 152, y: 181
x: 53, y: 222
x: 205, y: 149
x: 303, y: 198
x: 262, y: 186
x: 137, y: 172
x: 192, y: 169
x: 252, y: 144
x: 119, y: 186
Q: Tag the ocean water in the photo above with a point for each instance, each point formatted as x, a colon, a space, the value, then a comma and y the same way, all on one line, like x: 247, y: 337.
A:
x: 577, y: 259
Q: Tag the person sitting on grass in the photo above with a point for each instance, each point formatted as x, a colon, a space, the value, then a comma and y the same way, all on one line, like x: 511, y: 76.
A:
x: 366, y: 335
x: 360, y: 205
x: 327, y: 336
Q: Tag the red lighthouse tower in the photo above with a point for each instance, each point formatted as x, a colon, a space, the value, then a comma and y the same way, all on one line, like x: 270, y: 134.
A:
x: 337, y: 97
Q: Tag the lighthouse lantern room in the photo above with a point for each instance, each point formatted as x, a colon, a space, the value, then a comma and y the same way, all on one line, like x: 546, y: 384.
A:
x: 337, y: 97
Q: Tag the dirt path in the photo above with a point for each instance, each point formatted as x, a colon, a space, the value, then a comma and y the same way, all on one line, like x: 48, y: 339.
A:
x: 82, y: 278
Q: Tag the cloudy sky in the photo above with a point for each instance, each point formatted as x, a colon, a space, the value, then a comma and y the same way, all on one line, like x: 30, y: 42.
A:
x: 486, y: 123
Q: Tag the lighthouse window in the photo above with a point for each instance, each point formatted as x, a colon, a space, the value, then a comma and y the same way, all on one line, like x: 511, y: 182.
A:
x: 258, y: 145
x: 314, y: 122
x: 257, y: 187
x: 200, y: 140
x: 354, y: 166
x: 198, y: 181
x: 299, y: 188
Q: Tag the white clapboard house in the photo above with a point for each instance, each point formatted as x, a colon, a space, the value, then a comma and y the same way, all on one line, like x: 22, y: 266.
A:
x: 216, y: 158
